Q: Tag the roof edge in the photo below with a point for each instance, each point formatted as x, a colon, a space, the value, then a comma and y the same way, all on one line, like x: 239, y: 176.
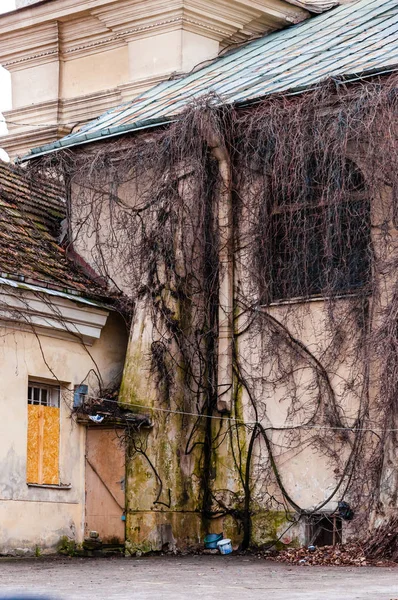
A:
x: 315, y: 6
x: 74, y: 297
x: 153, y: 123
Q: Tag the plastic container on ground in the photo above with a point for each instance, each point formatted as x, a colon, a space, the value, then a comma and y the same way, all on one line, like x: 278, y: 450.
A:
x: 211, y: 540
x: 225, y: 546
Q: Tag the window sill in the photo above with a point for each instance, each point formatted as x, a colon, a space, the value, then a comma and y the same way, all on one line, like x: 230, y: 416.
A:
x: 50, y: 486
x: 315, y: 298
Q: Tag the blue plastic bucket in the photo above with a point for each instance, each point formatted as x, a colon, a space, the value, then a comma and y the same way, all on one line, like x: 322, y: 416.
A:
x: 211, y: 540
x: 225, y: 546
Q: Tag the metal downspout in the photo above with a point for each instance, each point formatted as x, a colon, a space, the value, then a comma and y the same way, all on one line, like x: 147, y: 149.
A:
x: 226, y: 273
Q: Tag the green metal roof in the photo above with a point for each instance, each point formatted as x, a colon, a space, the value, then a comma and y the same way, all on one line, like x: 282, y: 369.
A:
x: 351, y: 41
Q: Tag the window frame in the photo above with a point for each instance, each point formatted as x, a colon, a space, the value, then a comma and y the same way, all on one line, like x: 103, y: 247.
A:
x: 52, y: 393
x: 317, y: 205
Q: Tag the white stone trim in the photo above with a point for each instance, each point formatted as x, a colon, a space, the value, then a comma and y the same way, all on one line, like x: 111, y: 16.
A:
x: 51, y: 315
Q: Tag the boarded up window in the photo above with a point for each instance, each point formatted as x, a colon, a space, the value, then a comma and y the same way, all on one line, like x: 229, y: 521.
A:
x: 43, y: 434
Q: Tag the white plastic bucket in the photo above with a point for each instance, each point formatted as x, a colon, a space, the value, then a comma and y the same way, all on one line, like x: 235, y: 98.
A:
x: 225, y: 546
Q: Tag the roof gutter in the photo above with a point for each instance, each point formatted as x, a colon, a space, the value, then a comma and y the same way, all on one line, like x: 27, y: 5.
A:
x: 89, y: 138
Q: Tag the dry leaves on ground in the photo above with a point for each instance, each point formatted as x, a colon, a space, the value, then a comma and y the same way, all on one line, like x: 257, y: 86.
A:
x: 340, y: 555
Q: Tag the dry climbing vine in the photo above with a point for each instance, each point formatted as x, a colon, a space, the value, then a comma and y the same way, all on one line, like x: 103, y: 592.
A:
x: 315, y: 204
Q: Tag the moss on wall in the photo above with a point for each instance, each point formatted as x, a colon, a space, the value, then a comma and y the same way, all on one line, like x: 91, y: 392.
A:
x: 275, y: 527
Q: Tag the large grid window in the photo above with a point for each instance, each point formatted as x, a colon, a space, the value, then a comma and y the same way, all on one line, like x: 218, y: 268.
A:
x: 320, y: 242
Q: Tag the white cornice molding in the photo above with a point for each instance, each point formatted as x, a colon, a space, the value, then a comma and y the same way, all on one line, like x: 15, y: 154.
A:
x: 40, y: 115
x: 69, y: 29
x: 218, y: 19
x: 38, y: 124
x: 86, y: 35
x: 93, y: 23
x: 51, y: 11
x: 53, y: 315
x: 316, y: 6
x: 36, y: 46
x: 74, y: 111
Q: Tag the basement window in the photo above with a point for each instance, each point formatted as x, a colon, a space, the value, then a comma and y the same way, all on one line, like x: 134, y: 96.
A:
x: 43, y: 433
x: 320, y: 242
x: 324, y: 530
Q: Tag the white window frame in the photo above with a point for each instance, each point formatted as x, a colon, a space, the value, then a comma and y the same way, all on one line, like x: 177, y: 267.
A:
x: 41, y: 394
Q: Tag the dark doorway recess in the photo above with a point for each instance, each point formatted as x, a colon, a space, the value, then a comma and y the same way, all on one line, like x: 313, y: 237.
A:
x: 324, y: 530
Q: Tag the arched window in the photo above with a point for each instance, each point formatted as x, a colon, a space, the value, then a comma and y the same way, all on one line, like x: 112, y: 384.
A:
x: 320, y: 232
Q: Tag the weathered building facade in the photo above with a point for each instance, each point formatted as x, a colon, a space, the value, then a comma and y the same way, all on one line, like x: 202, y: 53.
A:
x: 57, y: 339
x: 250, y: 218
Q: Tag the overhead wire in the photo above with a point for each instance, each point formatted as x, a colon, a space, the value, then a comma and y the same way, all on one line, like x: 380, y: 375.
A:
x: 248, y: 423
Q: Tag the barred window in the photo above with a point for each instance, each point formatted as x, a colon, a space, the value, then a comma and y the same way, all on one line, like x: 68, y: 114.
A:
x: 43, y: 395
x: 320, y: 242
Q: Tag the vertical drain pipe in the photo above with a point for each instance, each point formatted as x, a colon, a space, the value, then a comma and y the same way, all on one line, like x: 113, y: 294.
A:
x: 226, y: 270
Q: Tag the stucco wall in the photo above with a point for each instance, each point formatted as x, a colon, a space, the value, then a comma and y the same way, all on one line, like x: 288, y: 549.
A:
x: 165, y: 511
x: 33, y: 517
x: 164, y: 484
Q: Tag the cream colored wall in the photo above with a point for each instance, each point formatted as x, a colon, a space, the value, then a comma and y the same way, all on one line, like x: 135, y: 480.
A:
x: 89, y: 74
x: 174, y: 51
x: 305, y: 472
x: 35, y: 84
x: 33, y: 517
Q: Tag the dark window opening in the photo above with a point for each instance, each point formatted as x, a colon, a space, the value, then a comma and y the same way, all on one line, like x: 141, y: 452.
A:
x: 324, y: 530
x: 320, y: 241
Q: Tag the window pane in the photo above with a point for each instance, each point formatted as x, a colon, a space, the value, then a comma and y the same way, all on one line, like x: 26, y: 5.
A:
x: 44, y: 395
x: 54, y: 399
x: 297, y: 257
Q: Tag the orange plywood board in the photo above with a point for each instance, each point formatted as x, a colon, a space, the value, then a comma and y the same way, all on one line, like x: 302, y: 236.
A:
x: 43, y: 445
x: 50, y: 462
x: 32, y: 465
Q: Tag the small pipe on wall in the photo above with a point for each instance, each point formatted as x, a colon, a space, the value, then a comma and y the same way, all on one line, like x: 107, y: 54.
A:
x: 219, y: 150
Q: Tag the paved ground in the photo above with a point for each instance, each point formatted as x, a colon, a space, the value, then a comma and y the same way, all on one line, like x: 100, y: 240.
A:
x: 194, y: 577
